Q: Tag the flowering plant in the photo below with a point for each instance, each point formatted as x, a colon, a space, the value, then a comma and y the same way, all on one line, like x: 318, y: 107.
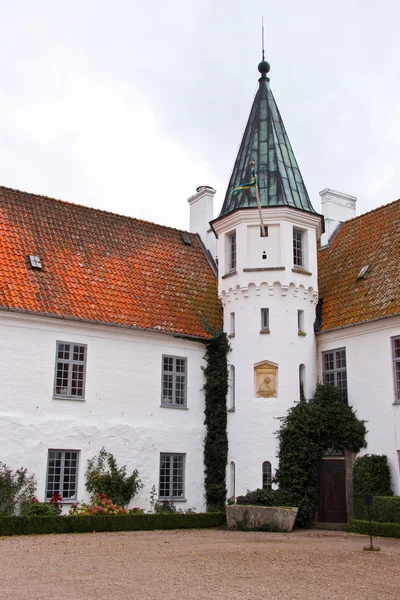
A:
x: 100, y: 505
x: 56, y: 501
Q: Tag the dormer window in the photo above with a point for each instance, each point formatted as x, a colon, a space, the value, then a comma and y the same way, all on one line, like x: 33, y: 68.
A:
x: 35, y: 261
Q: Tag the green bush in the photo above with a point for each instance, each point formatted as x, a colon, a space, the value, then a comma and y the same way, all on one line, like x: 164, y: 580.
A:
x: 308, y: 429
x: 38, y: 509
x: 378, y: 529
x: 16, y: 488
x: 39, y: 525
x: 385, y: 509
x: 266, y: 498
x: 103, y: 476
x: 371, y: 474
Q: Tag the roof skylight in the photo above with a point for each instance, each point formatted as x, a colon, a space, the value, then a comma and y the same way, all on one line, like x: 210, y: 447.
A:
x: 363, y: 272
x: 35, y: 261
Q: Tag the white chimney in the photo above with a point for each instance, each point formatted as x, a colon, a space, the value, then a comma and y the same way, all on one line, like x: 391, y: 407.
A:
x: 201, y: 213
x: 336, y: 208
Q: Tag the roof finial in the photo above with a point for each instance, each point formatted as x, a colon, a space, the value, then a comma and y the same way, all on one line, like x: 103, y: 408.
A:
x: 264, y: 66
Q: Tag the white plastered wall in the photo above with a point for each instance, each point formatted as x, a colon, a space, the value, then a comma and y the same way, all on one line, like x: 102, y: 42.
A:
x: 370, y: 382
x: 121, y: 410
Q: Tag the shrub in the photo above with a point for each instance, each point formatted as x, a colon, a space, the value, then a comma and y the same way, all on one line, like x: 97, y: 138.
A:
x: 89, y: 524
x: 308, y: 429
x: 266, y: 498
x: 101, y: 505
x: 34, y: 508
x: 378, y: 529
x: 103, y: 476
x: 371, y: 474
x: 385, y: 509
x: 15, y: 489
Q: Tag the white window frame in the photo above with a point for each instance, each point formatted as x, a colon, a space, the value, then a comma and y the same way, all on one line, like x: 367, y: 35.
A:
x: 232, y: 251
x: 175, y: 374
x: 51, y: 486
x: 334, y: 376
x: 396, y: 369
x: 266, y: 475
x: 231, y: 388
x: 300, y: 321
x: 66, y: 391
x: 166, y: 481
x: 299, y: 248
x: 232, y: 324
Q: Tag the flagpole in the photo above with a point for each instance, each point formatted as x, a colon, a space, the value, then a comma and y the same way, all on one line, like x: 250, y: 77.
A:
x: 263, y: 230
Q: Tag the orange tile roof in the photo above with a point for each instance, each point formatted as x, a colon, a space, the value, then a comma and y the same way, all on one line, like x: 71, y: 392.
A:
x: 371, y: 239
x: 103, y: 267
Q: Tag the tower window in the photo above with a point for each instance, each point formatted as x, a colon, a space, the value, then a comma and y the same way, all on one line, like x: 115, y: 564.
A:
x: 266, y: 475
x: 232, y: 325
x: 232, y: 252
x: 298, y: 248
x: 265, y: 318
x: 231, y: 390
x: 300, y: 321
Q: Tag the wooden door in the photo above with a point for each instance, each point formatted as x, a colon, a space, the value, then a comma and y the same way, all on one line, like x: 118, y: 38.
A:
x: 332, y: 491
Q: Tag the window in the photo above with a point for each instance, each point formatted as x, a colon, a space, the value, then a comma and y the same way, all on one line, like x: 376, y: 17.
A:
x: 232, y: 252
x: 265, y: 318
x: 62, y: 472
x: 231, y: 384
x: 302, y: 380
x: 298, y: 249
x: 232, y: 325
x: 266, y: 475
x: 334, y: 369
x: 396, y: 367
x: 172, y: 477
x: 232, y: 483
x: 300, y: 321
x: 174, y: 381
x: 70, y: 370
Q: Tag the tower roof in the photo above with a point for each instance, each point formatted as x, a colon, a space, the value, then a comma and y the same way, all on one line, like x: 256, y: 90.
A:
x: 266, y: 143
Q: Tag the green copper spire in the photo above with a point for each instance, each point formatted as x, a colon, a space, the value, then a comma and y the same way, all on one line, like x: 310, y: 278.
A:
x: 265, y: 142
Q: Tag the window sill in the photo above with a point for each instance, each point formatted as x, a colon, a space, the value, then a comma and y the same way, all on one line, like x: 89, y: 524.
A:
x: 73, y: 398
x: 265, y: 330
x: 171, y: 500
x: 302, y: 271
x: 257, y: 269
x: 230, y: 410
x: 231, y: 335
x: 229, y: 274
x: 302, y: 333
x: 174, y: 406
x: 396, y: 403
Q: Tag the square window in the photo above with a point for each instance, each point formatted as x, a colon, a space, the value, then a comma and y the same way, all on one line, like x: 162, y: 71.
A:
x: 174, y: 379
x: 62, y: 470
x: 172, y: 477
x: 70, y: 375
x: 334, y: 370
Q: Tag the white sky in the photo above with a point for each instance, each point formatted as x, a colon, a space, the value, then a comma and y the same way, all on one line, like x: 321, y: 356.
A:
x: 128, y: 106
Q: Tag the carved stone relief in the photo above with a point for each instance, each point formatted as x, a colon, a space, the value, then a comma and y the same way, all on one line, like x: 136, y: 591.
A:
x: 266, y: 380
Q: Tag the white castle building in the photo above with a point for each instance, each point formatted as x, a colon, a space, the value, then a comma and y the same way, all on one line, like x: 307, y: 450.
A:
x: 104, y: 319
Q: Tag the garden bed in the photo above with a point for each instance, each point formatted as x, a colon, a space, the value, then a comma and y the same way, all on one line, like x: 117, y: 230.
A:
x: 90, y: 524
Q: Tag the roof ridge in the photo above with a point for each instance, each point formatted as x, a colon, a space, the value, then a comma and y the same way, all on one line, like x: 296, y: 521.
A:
x: 369, y: 212
x: 92, y: 208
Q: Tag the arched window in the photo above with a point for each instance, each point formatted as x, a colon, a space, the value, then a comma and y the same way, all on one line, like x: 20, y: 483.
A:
x: 232, y: 479
x: 302, y: 380
x: 266, y: 475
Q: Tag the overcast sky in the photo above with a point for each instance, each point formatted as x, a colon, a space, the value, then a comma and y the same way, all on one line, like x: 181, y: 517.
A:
x: 128, y: 106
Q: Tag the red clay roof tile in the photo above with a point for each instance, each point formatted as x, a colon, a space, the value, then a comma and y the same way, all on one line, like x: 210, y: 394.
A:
x: 371, y: 239
x: 103, y: 267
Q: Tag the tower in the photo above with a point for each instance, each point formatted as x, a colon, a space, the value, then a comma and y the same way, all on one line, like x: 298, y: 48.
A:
x: 268, y: 287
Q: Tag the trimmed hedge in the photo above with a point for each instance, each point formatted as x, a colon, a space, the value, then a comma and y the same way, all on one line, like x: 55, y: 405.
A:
x: 378, y: 529
x: 80, y: 524
x: 385, y: 509
x: 261, y: 497
x: 371, y: 474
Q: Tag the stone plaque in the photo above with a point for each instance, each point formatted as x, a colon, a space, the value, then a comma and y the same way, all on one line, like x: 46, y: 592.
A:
x: 266, y: 376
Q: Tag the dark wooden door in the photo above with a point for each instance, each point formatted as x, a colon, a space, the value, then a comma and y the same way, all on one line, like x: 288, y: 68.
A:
x: 332, y: 491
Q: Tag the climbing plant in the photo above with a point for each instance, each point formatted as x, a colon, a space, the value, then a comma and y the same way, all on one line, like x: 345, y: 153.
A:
x: 216, y: 440
x: 310, y: 428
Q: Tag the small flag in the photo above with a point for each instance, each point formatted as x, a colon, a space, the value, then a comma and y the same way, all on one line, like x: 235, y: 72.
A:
x: 249, y: 184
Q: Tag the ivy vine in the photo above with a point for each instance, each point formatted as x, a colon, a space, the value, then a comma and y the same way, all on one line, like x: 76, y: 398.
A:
x: 216, y: 440
x: 307, y: 431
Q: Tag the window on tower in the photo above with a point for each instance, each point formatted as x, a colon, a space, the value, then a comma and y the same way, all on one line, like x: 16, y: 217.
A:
x: 232, y: 252
x: 298, y: 248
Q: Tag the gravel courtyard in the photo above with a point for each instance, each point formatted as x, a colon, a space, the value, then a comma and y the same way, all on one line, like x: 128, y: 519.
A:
x: 201, y: 564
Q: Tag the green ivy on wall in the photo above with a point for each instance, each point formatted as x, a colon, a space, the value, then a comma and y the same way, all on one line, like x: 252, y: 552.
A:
x: 216, y: 441
x: 307, y: 431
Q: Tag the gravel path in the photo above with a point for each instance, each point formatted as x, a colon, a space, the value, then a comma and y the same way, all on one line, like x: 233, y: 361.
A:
x: 198, y: 564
